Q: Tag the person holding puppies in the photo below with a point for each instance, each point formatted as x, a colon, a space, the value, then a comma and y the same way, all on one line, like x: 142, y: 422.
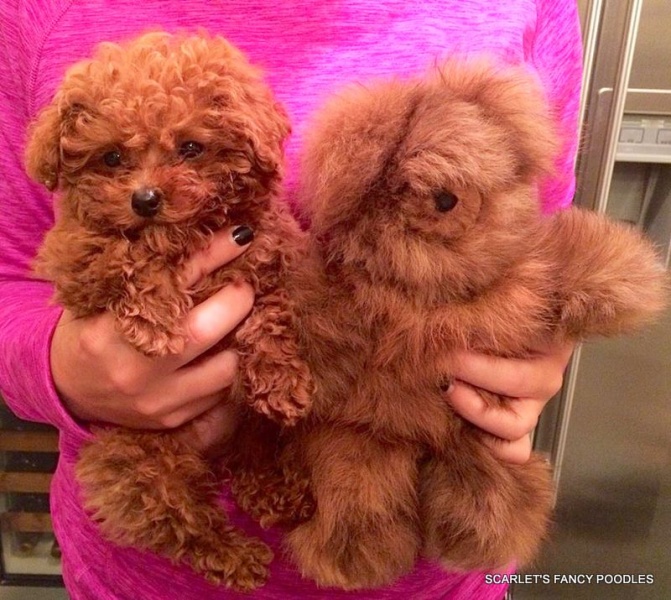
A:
x: 72, y: 372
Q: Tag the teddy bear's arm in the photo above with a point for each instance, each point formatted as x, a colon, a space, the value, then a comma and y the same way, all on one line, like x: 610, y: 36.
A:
x: 609, y: 278
x: 508, y: 318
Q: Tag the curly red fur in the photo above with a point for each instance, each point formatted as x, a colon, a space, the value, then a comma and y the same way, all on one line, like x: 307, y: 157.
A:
x: 395, y: 285
x: 143, y: 100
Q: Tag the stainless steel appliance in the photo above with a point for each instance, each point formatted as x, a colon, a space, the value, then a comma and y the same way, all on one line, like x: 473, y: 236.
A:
x: 609, y: 431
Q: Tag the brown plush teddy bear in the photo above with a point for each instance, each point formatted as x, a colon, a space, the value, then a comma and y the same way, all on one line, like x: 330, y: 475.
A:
x: 153, y: 145
x: 427, y: 238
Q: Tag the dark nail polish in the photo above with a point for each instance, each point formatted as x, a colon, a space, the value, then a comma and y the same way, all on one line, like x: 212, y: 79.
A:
x: 446, y: 384
x: 243, y: 235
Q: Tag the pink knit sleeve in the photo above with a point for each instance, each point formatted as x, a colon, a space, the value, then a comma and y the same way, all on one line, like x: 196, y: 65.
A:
x: 555, y: 50
x: 27, y: 319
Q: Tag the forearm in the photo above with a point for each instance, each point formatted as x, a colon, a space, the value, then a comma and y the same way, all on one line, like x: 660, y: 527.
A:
x: 27, y: 322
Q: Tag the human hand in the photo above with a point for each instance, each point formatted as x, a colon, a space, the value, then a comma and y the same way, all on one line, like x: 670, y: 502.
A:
x: 528, y: 384
x: 101, y: 377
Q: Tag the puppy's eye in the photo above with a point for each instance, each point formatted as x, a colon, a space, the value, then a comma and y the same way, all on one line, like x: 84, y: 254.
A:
x: 191, y: 149
x: 445, y: 201
x: 112, y: 158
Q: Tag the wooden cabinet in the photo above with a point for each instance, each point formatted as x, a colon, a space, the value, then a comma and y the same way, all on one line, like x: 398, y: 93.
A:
x: 29, y: 552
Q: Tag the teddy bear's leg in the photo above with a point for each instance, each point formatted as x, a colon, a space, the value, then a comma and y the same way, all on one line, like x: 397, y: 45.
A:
x: 479, y: 513
x: 152, y: 492
x: 364, y: 532
x: 274, y: 378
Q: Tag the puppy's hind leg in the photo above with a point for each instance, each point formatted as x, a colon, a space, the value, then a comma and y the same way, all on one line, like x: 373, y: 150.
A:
x: 277, y: 495
x: 150, y: 491
x: 267, y: 479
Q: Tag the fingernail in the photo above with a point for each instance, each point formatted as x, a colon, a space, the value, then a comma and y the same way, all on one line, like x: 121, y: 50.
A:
x: 447, y: 385
x: 242, y: 235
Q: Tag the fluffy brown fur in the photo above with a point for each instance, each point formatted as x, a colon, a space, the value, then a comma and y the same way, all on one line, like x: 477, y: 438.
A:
x: 188, y: 118
x: 428, y: 239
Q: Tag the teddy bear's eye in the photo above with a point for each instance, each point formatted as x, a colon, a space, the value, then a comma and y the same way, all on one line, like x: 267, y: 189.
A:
x: 445, y: 201
x: 112, y: 158
x: 191, y: 149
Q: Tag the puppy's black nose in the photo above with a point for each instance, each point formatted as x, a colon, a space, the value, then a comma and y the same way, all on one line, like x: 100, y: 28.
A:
x: 146, y: 202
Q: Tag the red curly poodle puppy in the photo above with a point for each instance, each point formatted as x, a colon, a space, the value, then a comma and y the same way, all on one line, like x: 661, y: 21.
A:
x: 154, y: 145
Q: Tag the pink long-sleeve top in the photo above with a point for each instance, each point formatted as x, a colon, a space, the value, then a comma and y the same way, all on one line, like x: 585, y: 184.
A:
x: 308, y: 49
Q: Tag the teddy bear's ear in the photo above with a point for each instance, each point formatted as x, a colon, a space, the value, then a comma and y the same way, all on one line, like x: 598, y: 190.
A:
x: 43, y: 149
x: 518, y: 98
x: 522, y: 104
x: 512, y: 97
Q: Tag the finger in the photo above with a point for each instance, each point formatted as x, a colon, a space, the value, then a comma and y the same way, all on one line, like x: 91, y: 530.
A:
x: 213, y: 319
x: 224, y: 247
x: 209, y: 376
x: 208, y: 431
x: 516, y: 419
x: 561, y: 351
x: 516, y: 452
x: 195, y: 389
x: 120, y: 366
x: 535, y: 377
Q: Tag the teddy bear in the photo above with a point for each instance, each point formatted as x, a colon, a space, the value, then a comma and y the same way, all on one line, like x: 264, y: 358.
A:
x: 152, y: 145
x: 427, y: 238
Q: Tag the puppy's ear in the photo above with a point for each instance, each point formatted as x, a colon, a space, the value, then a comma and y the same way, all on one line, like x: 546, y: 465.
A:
x: 268, y: 129
x: 273, y: 128
x: 259, y: 119
x: 43, y: 149
x: 43, y: 155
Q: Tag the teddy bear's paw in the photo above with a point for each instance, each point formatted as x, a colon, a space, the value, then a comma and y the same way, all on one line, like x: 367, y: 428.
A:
x: 151, y: 338
x: 234, y: 560
x: 459, y: 548
x: 354, y: 557
x: 486, y: 524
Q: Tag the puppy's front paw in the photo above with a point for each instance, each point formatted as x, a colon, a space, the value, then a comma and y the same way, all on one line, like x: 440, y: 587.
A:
x: 282, y: 392
x: 151, y: 338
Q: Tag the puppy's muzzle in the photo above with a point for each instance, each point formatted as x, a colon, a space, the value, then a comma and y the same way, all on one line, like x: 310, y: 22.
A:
x: 146, y: 202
